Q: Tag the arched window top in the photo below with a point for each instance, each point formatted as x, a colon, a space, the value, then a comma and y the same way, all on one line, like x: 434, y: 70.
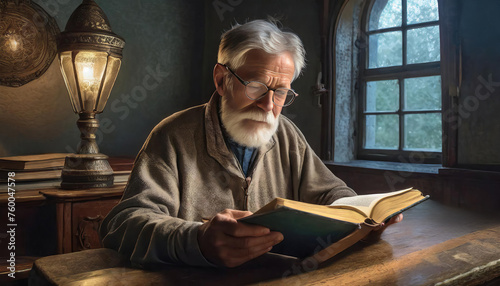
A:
x: 402, y: 32
x: 386, y: 14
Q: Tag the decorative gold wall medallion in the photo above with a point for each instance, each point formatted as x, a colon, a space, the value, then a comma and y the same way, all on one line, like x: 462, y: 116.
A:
x: 28, y: 42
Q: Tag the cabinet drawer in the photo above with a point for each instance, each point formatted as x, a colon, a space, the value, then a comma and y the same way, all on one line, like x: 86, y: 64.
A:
x: 86, y: 220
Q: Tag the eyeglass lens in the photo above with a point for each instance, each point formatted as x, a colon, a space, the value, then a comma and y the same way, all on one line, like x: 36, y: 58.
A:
x: 282, y: 96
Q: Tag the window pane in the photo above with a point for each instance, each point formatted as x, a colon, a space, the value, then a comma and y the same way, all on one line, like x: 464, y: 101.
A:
x: 423, y: 45
x: 420, y: 11
x: 382, y: 95
x: 385, y: 14
x: 423, y: 132
x: 382, y: 131
x: 385, y: 50
x: 423, y: 93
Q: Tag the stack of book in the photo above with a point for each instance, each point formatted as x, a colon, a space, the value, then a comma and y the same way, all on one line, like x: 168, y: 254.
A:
x: 32, y: 167
x: 44, y: 170
x: 122, y: 166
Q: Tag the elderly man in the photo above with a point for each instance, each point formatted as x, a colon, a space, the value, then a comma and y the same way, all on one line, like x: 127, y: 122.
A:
x: 203, y: 168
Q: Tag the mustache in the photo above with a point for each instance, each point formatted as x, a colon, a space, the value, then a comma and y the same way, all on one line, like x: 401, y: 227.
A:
x: 257, y: 115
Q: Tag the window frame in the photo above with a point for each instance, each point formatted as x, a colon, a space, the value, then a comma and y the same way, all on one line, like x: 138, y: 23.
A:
x: 399, y: 73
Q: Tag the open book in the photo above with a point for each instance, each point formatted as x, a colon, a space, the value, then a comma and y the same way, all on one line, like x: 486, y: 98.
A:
x: 324, y: 231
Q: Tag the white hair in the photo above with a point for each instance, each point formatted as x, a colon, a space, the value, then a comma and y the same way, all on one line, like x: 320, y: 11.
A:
x: 260, y: 35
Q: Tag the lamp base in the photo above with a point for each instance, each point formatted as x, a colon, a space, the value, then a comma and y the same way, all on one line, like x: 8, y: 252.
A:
x: 83, y: 171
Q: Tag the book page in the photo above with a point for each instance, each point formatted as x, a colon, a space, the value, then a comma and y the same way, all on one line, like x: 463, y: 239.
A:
x: 388, y: 206
x: 359, y: 201
x: 346, y: 214
x: 352, y: 209
x: 364, y: 202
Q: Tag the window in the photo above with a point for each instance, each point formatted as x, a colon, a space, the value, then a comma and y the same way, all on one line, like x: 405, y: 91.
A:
x: 399, y: 103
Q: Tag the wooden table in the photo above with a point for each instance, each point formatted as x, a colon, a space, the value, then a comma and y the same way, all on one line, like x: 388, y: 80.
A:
x: 434, y: 245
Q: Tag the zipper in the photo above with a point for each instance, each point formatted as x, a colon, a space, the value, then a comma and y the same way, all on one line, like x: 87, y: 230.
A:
x: 245, y: 188
x: 247, y: 180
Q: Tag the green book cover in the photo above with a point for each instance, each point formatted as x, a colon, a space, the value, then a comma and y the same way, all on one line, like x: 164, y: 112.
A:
x: 304, y: 233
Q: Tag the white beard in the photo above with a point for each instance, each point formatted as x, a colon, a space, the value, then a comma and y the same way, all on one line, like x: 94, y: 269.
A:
x: 246, y: 133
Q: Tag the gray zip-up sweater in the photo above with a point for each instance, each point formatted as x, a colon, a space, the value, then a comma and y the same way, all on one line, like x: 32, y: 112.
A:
x: 185, y: 172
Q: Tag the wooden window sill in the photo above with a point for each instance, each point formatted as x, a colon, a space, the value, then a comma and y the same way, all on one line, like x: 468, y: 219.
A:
x: 388, y: 166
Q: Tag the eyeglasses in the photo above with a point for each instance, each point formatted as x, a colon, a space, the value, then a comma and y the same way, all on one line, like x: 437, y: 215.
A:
x: 256, y: 90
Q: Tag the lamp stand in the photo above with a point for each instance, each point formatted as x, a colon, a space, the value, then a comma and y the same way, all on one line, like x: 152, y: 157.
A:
x: 87, y: 168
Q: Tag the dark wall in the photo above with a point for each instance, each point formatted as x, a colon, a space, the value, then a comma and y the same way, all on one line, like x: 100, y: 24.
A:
x: 479, y: 100
x: 164, y: 47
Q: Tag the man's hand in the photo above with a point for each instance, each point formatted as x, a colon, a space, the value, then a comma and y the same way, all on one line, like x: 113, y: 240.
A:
x: 375, y: 234
x: 225, y: 241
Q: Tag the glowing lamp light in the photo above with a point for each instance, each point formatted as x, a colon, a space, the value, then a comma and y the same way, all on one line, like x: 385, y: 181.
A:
x: 90, y: 56
x: 13, y: 44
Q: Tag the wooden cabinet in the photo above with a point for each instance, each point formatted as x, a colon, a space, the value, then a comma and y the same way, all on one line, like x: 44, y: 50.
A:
x: 79, y: 214
x: 86, y: 218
